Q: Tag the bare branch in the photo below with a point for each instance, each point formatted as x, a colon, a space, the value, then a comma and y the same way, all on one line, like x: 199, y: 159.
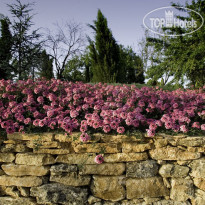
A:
x: 67, y: 41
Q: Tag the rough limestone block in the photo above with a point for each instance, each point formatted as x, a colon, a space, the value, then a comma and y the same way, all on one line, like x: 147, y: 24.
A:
x: 24, y: 170
x: 199, y: 198
x: 34, y: 159
x: 31, y: 136
x: 92, y: 199
x: 15, y: 148
x: 146, y: 187
x: 171, y: 202
x: 7, y: 157
x: 173, y: 153
x: 52, y: 151
x: 103, y: 169
x: 171, y: 170
x: 97, y: 147
x: 18, y: 201
x: 62, y: 168
x: 142, y: 169
x: 182, y: 189
x: 108, y: 188
x: 9, y: 191
x: 135, y: 147
x: 125, y: 157
x: 71, y: 179
x: 76, y: 159
x: 191, y: 141
x: 26, y: 181
x: 59, y: 194
x: 43, y: 144
x: 24, y: 191
x: 121, y: 138
x: 200, y: 183
x: 198, y: 168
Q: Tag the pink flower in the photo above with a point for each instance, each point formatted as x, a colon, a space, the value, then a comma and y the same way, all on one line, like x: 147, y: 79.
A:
x: 84, y: 137
x: 150, y: 133
x: 99, y: 159
x: 27, y: 121
x: 196, y: 125
x: 106, y: 128
x: 203, y: 127
x: 120, y: 130
x: 183, y: 128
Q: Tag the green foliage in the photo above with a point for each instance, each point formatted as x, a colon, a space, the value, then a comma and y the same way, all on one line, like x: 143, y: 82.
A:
x: 74, y: 69
x: 5, y: 49
x: 131, y: 66
x: 46, y: 66
x: 25, y: 47
x: 104, y: 52
x: 181, y: 57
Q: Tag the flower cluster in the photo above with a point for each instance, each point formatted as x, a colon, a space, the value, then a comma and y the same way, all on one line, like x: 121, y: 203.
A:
x: 67, y: 106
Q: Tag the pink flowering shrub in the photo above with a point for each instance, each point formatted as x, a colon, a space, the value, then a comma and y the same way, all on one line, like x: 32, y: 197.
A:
x: 42, y: 105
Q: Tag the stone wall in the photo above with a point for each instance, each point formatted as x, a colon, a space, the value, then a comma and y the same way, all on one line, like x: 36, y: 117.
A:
x: 56, y: 169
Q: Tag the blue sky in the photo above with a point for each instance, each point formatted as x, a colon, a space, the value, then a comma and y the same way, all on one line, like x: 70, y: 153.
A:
x: 125, y: 17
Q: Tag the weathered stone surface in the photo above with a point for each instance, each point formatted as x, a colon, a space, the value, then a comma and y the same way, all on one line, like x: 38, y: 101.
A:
x: 59, y: 194
x: 173, y: 153
x: 15, y: 148
x: 143, y: 169
x: 135, y: 147
x: 121, y: 138
x: 160, y: 142
x: 96, y: 148
x: 199, y: 198
x: 76, y: 158
x: 103, y: 169
x: 24, y: 191
x: 108, y: 188
x: 23, y: 170
x: 32, y: 136
x: 133, y: 202
x: 9, y: 191
x: 52, y: 151
x: 7, y: 157
x: 200, y: 183
x: 171, y: 202
x: 182, y: 189
x: 34, y: 159
x: 26, y: 181
x: 71, y: 179
x: 196, y: 149
x: 18, y: 201
x: 191, y: 141
x: 43, y: 144
x: 171, y: 170
x: 125, y: 157
x: 198, y: 168
x: 61, y: 168
x: 64, y: 138
x: 92, y: 199
x: 146, y: 187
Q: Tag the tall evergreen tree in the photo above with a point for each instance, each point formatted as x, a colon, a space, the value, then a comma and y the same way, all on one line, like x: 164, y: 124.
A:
x: 104, y: 52
x: 5, y: 49
x: 46, y: 66
x: 26, y: 46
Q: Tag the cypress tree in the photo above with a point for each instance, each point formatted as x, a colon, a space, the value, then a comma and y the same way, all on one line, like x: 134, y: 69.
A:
x: 5, y: 49
x: 104, y: 52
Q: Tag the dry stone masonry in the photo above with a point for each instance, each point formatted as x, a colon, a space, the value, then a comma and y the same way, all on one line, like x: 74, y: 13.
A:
x: 52, y: 169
